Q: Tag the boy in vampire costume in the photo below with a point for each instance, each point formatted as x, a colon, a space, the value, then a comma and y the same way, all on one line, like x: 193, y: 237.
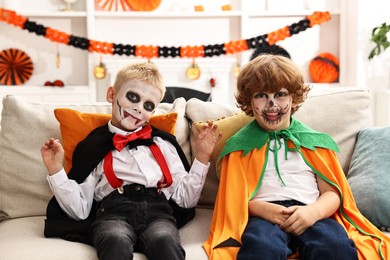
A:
x: 130, y: 187
x: 282, y: 191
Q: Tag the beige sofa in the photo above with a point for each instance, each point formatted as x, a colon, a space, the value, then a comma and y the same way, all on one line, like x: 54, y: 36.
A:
x: 24, y: 192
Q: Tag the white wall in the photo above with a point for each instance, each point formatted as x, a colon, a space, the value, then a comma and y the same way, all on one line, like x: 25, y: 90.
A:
x: 374, y: 73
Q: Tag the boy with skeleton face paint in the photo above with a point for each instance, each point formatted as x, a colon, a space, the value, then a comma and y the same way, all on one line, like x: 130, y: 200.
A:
x: 282, y: 190
x: 136, y: 176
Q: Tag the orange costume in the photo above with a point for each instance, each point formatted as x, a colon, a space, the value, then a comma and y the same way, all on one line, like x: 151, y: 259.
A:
x: 244, y: 160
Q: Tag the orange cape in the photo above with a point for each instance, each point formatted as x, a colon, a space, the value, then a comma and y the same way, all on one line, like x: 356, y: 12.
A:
x: 245, y: 175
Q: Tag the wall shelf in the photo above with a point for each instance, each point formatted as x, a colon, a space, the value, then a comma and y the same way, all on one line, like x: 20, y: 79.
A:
x: 66, y: 94
x: 60, y: 14
x: 147, y: 15
x: 281, y: 14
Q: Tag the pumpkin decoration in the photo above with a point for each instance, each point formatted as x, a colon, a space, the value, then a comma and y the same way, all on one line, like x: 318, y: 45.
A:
x: 55, y: 83
x: 99, y: 71
x: 324, y: 68
x: 16, y: 67
x: 198, y: 8
x: 226, y: 7
x: 193, y: 72
x: 144, y: 5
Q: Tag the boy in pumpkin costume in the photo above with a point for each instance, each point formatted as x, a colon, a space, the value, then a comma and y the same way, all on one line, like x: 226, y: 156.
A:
x: 131, y: 172
x: 282, y: 191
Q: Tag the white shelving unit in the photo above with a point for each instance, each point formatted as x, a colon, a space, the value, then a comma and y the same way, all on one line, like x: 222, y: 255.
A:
x: 249, y: 18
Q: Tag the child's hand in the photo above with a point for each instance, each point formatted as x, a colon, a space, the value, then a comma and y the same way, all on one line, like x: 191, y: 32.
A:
x: 267, y: 211
x: 301, y: 218
x: 205, y: 143
x: 52, y: 155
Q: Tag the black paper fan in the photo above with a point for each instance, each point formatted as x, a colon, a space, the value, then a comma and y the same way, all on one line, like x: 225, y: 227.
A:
x: 16, y: 67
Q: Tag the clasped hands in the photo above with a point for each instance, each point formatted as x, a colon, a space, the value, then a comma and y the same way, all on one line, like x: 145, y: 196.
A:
x: 293, y: 220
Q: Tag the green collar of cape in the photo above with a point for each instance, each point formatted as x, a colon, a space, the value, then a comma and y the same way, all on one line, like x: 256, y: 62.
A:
x: 252, y: 136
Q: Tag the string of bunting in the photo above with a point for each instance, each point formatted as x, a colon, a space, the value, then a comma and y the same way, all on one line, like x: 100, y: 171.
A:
x: 150, y: 51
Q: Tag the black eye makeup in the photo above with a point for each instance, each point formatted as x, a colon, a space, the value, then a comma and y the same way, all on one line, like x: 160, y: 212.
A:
x: 260, y: 95
x: 133, y: 97
x: 149, y: 106
x: 281, y: 94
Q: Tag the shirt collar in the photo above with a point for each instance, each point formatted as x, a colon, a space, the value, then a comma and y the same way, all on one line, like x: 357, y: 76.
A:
x: 116, y: 130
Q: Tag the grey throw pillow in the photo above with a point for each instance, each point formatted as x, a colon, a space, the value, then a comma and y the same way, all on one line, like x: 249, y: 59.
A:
x: 369, y: 175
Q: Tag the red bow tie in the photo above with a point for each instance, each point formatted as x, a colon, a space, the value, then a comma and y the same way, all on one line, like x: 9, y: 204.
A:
x: 120, y: 141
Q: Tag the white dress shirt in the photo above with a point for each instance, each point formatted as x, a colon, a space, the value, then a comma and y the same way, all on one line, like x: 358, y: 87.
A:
x: 136, y: 165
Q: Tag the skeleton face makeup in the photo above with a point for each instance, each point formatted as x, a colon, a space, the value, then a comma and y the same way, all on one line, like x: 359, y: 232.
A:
x: 272, y: 111
x: 133, y: 104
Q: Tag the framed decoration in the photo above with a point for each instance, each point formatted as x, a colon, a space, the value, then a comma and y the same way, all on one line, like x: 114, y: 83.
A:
x: 16, y: 67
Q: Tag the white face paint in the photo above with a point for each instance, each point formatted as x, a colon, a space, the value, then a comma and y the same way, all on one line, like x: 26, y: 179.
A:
x: 272, y: 111
x: 133, y: 104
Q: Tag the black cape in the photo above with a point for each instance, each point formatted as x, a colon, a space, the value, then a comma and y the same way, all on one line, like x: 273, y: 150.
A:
x: 87, y: 155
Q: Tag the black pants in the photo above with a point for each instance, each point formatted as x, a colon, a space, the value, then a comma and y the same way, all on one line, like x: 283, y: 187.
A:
x: 139, y: 220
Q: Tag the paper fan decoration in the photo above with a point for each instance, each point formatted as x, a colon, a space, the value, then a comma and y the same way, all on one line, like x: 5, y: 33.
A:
x: 143, y: 5
x: 113, y: 5
x: 16, y: 67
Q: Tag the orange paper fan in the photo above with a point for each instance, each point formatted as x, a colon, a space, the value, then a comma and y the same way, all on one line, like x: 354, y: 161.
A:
x: 113, y: 5
x: 144, y: 5
x: 16, y: 67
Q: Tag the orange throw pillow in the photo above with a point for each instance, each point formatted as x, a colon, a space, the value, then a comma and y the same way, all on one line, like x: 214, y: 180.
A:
x: 75, y: 126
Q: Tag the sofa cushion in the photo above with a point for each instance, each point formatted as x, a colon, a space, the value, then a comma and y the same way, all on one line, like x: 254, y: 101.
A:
x: 23, y: 238
x: 340, y: 112
x: 25, y: 126
x: 75, y: 126
x: 369, y: 175
x: 182, y: 130
x: 346, y: 111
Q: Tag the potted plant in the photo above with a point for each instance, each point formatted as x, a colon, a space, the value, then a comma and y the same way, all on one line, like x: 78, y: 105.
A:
x: 380, y: 38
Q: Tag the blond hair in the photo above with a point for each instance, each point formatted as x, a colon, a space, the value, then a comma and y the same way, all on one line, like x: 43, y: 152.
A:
x: 270, y: 73
x: 144, y: 71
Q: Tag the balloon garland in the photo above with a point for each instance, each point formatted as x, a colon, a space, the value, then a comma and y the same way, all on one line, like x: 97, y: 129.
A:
x: 150, y: 51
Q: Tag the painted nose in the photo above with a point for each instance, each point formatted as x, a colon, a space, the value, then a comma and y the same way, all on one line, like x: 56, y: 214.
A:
x: 136, y: 108
x: 271, y: 103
